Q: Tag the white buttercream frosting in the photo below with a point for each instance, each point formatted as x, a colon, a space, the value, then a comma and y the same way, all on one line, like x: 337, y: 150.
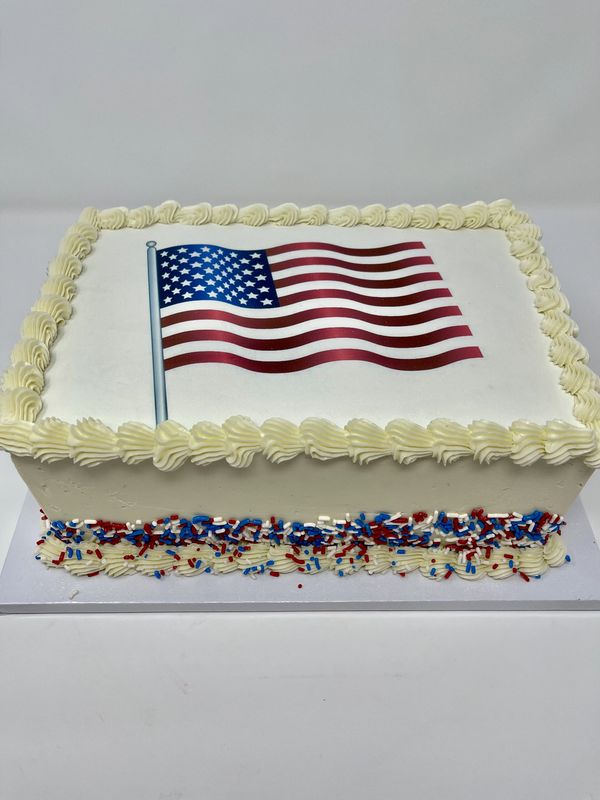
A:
x: 92, y: 442
x: 239, y: 439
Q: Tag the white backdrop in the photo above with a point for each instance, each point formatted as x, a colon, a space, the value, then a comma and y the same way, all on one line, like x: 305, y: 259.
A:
x: 335, y: 101
x: 124, y: 102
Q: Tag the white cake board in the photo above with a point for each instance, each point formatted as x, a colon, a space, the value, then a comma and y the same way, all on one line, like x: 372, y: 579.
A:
x: 26, y: 586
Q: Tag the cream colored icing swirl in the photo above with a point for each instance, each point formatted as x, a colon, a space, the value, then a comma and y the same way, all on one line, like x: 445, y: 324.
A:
x: 92, y: 442
x: 76, y: 245
x: 313, y: 215
x: 90, y: 216
x: 135, y: 442
x: 476, y: 215
x: 285, y: 214
x: 528, y: 442
x: 281, y: 440
x: 112, y: 218
x: 451, y: 217
x: 15, y: 437
x: 323, y: 439
x: 555, y: 551
x: 345, y: 216
x: 450, y: 441
x: 256, y: 214
x: 199, y: 214
x: 58, y: 307
x: 207, y: 443
x: 59, y: 285
x: 556, y: 323
x: 50, y: 440
x: 141, y: 217
x: 565, y: 441
x: 243, y: 438
x: 425, y: 216
x: 168, y: 212
x: 373, y: 215
x: 409, y: 441
x: 399, y: 216
x: 23, y: 375
x: 40, y: 326
x: 367, y: 441
x: 490, y: 441
x: 172, y: 445
x: 31, y: 351
x: 225, y: 214
x: 65, y: 266
x: 20, y: 404
x: 587, y: 407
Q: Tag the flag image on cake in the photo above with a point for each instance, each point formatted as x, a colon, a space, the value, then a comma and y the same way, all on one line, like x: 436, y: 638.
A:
x: 295, y: 306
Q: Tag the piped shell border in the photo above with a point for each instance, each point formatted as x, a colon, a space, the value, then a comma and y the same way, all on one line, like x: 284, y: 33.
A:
x: 90, y: 442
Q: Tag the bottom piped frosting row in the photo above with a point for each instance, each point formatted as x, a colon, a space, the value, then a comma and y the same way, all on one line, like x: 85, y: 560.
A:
x: 438, y: 545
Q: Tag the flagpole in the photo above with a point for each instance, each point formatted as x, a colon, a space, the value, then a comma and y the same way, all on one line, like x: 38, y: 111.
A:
x: 158, y: 368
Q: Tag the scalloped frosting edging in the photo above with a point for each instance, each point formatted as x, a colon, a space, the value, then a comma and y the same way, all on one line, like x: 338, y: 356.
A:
x: 90, y: 442
x: 437, y: 545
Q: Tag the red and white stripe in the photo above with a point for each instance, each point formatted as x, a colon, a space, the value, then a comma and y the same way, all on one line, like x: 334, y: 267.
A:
x: 384, y: 305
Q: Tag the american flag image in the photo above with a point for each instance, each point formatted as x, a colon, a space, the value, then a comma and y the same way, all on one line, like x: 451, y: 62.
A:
x: 294, y: 306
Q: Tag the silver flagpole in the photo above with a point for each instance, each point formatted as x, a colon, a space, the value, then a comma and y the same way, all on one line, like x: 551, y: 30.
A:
x: 158, y: 368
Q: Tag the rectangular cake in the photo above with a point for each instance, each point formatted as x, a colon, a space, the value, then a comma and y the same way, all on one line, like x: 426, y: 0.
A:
x: 207, y: 389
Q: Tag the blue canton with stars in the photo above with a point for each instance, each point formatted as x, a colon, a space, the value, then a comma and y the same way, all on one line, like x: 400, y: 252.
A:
x: 240, y: 278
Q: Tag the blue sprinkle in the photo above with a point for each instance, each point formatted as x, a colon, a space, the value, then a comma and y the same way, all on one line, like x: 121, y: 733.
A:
x: 69, y: 552
x: 157, y: 574
x: 171, y: 552
x: 511, y: 563
x: 432, y: 571
x: 197, y: 564
x: 78, y: 554
x: 338, y: 560
x: 208, y: 569
x: 341, y: 573
x: 568, y: 558
x: 270, y: 563
x: 217, y: 554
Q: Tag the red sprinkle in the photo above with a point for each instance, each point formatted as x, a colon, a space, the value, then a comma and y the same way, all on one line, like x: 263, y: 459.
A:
x: 98, y: 553
x: 300, y: 586
x: 494, y: 566
x: 294, y: 559
x: 525, y: 577
x: 447, y: 575
x: 40, y: 541
x: 274, y: 574
x: 92, y: 574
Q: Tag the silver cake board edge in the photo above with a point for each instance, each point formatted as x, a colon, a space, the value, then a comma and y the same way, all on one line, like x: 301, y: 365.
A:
x: 28, y: 587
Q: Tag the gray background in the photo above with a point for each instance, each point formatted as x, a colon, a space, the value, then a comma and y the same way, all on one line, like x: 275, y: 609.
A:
x: 123, y: 102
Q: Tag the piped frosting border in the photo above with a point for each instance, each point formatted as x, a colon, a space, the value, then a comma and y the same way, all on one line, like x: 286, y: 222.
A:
x: 90, y: 442
x: 438, y: 545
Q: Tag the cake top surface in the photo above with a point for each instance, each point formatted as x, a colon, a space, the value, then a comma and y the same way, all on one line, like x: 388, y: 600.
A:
x: 400, y: 331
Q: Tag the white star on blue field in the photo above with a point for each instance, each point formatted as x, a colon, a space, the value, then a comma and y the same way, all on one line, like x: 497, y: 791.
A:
x: 189, y: 273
